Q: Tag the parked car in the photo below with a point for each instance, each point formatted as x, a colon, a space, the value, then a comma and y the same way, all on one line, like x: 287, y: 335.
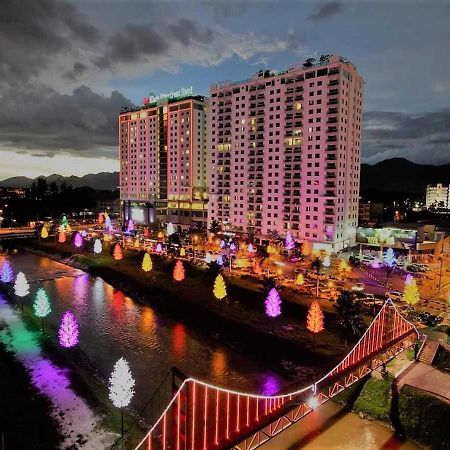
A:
x: 358, y: 287
x: 394, y: 295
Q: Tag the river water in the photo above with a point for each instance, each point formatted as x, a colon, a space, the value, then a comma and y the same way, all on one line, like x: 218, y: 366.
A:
x: 112, y: 325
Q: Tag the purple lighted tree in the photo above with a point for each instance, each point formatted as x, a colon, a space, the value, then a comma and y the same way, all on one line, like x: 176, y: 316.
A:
x: 130, y: 225
x: 289, y: 243
x: 7, y: 273
x: 78, y: 240
x: 408, y: 280
x: 273, y: 304
x: 68, y: 331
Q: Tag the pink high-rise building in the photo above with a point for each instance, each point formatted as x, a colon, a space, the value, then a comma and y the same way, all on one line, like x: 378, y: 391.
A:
x: 284, y: 153
x: 162, y: 153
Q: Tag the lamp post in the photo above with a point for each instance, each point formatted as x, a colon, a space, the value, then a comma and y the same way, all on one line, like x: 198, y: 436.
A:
x: 194, y: 242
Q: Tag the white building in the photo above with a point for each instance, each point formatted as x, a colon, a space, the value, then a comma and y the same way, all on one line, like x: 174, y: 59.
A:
x: 438, y: 196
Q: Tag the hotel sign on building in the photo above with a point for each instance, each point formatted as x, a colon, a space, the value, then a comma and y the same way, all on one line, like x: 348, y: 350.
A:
x: 178, y: 94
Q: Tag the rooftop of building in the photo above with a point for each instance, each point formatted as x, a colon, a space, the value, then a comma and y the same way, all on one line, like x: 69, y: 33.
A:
x: 161, y: 102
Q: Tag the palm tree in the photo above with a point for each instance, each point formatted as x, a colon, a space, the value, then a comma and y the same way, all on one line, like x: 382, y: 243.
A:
x: 317, y: 265
x: 350, y: 315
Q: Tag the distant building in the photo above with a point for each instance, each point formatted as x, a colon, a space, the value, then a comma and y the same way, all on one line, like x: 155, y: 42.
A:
x: 162, y: 153
x: 108, y: 201
x: 437, y: 196
x: 369, y: 213
x: 285, y: 153
x: 9, y: 193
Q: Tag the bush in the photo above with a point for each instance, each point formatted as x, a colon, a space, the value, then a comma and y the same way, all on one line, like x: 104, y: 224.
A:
x: 442, y: 361
x: 424, y: 417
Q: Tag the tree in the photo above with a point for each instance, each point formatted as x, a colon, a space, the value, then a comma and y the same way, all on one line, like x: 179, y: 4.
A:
x: 389, y: 257
x: 108, y: 224
x: 314, y: 320
x: 214, y: 227
x: 121, y: 386
x: 306, y: 248
x: 147, y: 264
x: 101, y: 218
x: 7, y: 272
x: 158, y: 247
x: 300, y: 280
x: 170, y: 229
x: 61, y: 237
x: 130, y: 225
x: 408, y: 279
x: 411, y: 293
x: 44, y: 232
x: 344, y: 268
x: 327, y: 261
x: 350, y: 314
x: 21, y: 286
x: 78, y: 240
x: 64, y: 221
x: 41, y: 305
x: 98, y: 246
x: 289, y: 242
x: 178, y: 271
x: 182, y: 252
x: 220, y: 289
x: 273, y: 305
x: 117, y: 253
x: 208, y: 258
x: 68, y: 331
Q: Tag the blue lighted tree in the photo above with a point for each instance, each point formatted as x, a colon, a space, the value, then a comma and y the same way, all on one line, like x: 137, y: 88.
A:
x: 389, y: 261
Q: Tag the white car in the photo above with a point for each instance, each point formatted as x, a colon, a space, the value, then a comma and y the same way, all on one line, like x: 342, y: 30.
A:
x: 394, y: 295
x: 358, y: 287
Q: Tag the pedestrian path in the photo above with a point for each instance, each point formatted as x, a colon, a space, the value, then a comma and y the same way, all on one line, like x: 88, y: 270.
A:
x: 70, y: 411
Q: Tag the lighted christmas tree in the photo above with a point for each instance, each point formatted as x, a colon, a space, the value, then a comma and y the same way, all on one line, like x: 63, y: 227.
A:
x: 411, y: 293
x: 219, y: 260
x: 178, y: 271
x: 306, y: 248
x: 64, y: 222
x: 232, y: 246
x: 170, y: 229
x: 108, y: 224
x: 44, y: 233
x: 21, y: 286
x: 130, y: 225
x: 389, y: 257
x: 327, y: 261
x: 344, y: 268
x: 121, y: 385
x: 314, y: 320
x: 7, y: 272
x: 84, y: 233
x: 146, y: 233
x: 220, y: 289
x: 289, y: 243
x: 98, y: 246
x: 273, y: 303
x: 408, y: 279
x: 222, y: 244
x: 250, y: 248
x: 41, y: 305
x: 117, y: 253
x: 147, y: 264
x: 375, y: 263
x: 182, y: 251
x: 136, y: 243
x: 61, y: 237
x: 78, y: 240
x: 300, y: 280
x: 68, y: 331
x: 208, y: 258
x: 158, y: 247
x: 101, y: 218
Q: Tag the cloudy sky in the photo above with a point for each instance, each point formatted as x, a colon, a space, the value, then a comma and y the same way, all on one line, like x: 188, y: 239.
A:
x: 67, y: 66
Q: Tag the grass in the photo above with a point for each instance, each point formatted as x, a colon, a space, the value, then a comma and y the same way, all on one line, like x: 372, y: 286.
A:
x: 376, y: 398
x: 25, y: 419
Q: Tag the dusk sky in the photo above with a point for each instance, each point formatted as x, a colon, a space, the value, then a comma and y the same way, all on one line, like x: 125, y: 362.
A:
x: 66, y: 68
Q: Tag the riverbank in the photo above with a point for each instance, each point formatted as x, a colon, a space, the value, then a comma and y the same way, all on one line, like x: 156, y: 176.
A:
x: 239, y: 321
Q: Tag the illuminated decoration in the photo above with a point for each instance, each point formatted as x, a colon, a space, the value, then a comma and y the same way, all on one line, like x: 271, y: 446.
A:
x: 121, y: 385
x: 314, y: 321
x: 160, y: 234
x: 68, y: 331
x: 222, y: 243
x: 108, y: 224
x: 107, y: 237
x: 7, y: 272
x: 344, y: 268
x: 289, y: 242
x: 389, y: 257
x: 117, y: 253
x: 41, y: 305
x: 182, y: 251
x: 158, y: 247
x: 136, y: 243
x: 170, y: 229
x: 64, y: 222
x: 306, y: 248
x: 411, y: 293
x: 97, y: 246
x: 146, y: 232
x: 219, y: 260
x: 101, y: 218
x: 375, y: 263
x: 61, y: 237
x: 408, y: 279
x: 68, y: 229
x: 130, y: 225
x: 273, y: 303
x: 327, y: 261
x: 84, y: 233
x: 206, y: 416
x: 257, y: 269
x: 208, y: 258
x: 78, y: 240
x: 232, y: 246
x: 250, y: 248
x: 44, y: 233
x: 178, y: 271
x: 300, y: 281
x: 220, y: 289
x: 21, y: 286
x: 147, y: 264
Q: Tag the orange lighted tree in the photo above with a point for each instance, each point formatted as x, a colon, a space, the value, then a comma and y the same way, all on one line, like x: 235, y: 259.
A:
x: 314, y: 321
x: 300, y: 280
x: 178, y: 271
x: 61, y: 237
x: 344, y: 268
x: 306, y: 248
x: 117, y: 253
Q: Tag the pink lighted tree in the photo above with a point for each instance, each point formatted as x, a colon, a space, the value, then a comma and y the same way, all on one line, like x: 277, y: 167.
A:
x: 289, y: 243
x: 68, y: 331
x: 78, y: 240
x: 273, y: 304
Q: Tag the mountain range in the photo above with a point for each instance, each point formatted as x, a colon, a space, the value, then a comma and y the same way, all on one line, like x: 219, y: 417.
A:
x: 396, y: 175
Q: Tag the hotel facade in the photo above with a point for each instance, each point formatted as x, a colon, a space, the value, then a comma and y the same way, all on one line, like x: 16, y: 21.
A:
x: 162, y: 154
x: 284, y: 154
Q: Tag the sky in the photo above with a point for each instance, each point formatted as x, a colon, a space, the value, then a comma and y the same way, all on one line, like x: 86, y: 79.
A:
x: 68, y: 66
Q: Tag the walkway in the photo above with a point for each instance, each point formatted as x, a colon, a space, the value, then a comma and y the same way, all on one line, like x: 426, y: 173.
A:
x: 427, y: 378
x: 77, y: 421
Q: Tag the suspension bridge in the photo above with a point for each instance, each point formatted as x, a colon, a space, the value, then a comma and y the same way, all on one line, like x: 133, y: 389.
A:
x: 201, y: 416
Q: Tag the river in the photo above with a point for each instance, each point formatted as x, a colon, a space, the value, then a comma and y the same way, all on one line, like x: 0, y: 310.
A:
x: 112, y: 325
